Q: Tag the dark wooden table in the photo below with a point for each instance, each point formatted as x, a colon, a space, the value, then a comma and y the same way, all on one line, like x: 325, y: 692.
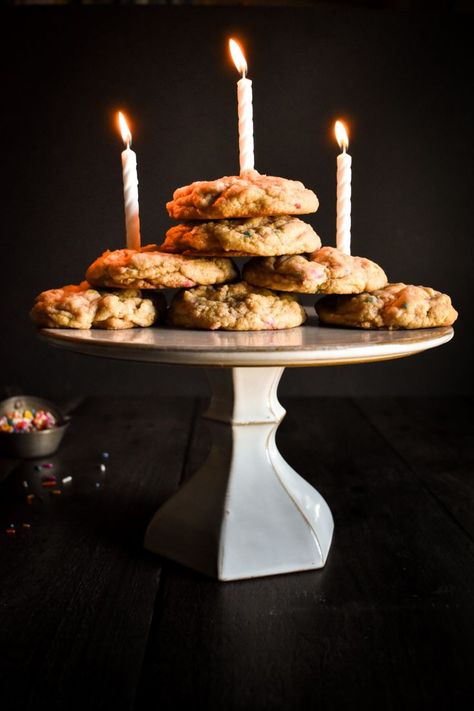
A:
x: 90, y: 620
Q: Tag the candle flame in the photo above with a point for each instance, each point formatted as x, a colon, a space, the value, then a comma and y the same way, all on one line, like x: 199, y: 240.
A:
x: 341, y: 135
x: 124, y: 129
x: 238, y: 57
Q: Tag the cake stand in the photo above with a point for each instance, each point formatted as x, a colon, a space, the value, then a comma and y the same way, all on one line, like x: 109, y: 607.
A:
x: 246, y: 512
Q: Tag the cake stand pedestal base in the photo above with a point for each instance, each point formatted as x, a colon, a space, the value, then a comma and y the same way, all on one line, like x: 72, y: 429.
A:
x: 246, y: 512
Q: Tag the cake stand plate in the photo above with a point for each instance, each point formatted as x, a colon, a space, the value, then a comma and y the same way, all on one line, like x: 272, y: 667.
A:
x: 246, y: 512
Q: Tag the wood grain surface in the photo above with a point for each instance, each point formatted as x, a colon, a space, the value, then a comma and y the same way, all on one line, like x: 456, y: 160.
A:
x: 89, y: 619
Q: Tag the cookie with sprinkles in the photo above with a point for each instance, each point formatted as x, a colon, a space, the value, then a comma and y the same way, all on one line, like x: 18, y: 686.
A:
x: 149, y: 268
x: 82, y: 307
x: 255, y: 236
x: 397, y: 306
x: 247, y: 195
x: 235, y: 307
x: 325, y: 271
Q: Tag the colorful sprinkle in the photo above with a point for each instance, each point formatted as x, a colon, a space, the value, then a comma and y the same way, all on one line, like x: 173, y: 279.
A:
x: 102, y: 467
x: 26, y: 525
x: 47, y: 465
x: 25, y: 484
x: 30, y: 498
x: 105, y: 455
x: 48, y: 484
x: 10, y: 532
x: 27, y: 421
x: 66, y: 479
x: 57, y: 492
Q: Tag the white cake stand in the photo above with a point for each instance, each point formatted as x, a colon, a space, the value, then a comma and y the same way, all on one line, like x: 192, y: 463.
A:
x: 246, y: 512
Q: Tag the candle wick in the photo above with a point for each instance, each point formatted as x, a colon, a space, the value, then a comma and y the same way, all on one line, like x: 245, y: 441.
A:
x: 244, y: 73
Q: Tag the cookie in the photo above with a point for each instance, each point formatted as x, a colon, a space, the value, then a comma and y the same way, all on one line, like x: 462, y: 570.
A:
x: 246, y: 195
x: 235, y: 307
x: 148, y: 269
x: 325, y: 271
x: 264, y: 236
x: 82, y: 307
x: 126, y: 308
x: 396, y: 306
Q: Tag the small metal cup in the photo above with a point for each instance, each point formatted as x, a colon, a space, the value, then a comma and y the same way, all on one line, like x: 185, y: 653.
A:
x: 29, y: 445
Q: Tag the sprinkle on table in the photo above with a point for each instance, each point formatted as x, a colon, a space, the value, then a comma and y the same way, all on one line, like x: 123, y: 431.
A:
x: 48, y: 483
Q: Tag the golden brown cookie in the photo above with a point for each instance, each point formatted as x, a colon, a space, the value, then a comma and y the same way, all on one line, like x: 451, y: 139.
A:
x: 397, y: 306
x: 79, y: 306
x: 246, y: 195
x: 325, y: 271
x: 235, y: 307
x: 148, y: 269
x: 264, y: 236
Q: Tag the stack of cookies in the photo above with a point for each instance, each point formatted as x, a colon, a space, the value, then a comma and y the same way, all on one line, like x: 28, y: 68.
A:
x: 249, y: 215
x: 253, y: 215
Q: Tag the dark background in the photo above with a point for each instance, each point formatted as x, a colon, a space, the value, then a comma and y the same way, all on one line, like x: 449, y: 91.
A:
x: 402, y: 80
